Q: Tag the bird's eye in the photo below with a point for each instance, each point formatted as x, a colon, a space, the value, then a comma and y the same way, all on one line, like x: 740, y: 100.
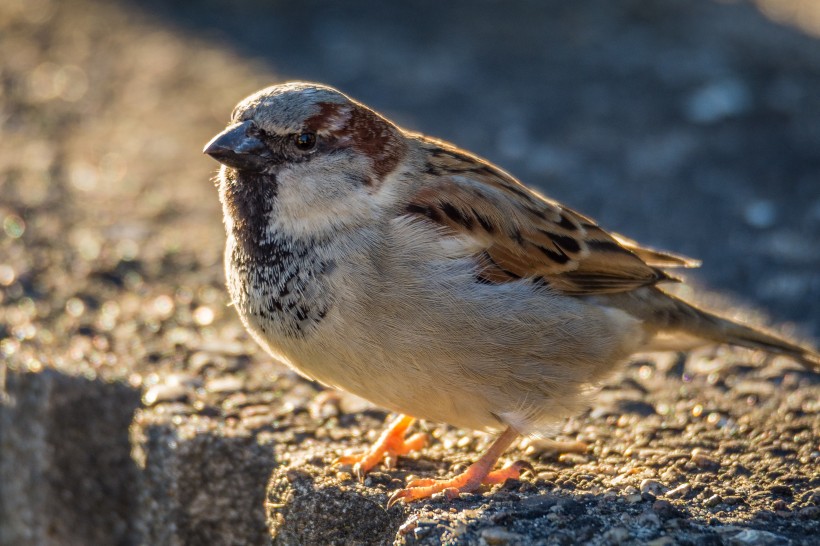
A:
x: 305, y: 141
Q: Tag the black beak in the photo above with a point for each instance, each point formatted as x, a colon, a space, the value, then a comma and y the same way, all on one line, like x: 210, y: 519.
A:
x: 236, y: 148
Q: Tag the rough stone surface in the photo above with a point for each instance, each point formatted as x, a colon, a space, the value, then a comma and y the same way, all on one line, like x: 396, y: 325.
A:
x: 134, y: 409
x: 66, y: 472
x: 199, y: 484
x: 307, y: 506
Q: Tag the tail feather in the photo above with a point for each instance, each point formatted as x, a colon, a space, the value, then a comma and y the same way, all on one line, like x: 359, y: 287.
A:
x: 745, y: 336
x: 712, y: 327
x: 667, y: 314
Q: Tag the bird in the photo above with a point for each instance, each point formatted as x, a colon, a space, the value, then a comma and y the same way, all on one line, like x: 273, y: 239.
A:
x: 432, y: 283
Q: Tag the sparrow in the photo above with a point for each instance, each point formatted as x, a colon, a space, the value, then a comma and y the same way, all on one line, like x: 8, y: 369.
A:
x: 432, y: 283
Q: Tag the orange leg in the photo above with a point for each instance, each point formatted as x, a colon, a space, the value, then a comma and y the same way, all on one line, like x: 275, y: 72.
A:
x: 389, y: 446
x: 480, y: 472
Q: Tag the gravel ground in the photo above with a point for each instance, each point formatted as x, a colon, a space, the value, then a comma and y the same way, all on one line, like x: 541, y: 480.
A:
x: 689, y: 125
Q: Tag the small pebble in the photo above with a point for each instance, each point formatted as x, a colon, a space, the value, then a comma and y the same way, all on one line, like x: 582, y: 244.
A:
x: 811, y: 497
x: 754, y: 537
x: 223, y: 384
x: 703, y: 461
x: 652, y: 486
x: 165, y: 392
x: 616, y: 535
x: 408, y: 526
x: 649, y: 519
x: 665, y: 509
x: 634, y: 498
x: 680, y: 491
x: 780, y: 506
x: 649, y: 497
x: 712, y: 501
x: 572, y: 459
x: 611, y: 494
x: 295, y: 474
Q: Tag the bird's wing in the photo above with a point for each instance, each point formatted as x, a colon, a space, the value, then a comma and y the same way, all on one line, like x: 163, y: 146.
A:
x: 521, y: 234
x: 654, y: 257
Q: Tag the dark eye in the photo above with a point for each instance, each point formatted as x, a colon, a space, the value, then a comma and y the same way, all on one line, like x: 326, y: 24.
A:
x: 305, y: 141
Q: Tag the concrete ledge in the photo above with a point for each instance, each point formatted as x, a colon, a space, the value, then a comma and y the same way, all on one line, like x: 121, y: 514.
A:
x: 200, y: 483
x: 245, y: 458
x: 65, y: 466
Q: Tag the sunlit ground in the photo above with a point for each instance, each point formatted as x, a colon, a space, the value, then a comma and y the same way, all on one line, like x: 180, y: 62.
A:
x: 802, y: 14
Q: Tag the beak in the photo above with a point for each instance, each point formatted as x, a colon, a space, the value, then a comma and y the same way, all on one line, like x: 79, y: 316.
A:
x: 236, y: 148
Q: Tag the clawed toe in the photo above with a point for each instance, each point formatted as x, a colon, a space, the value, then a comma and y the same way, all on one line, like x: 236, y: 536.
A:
x: 355, y: 461
x: 510, y: 472
x: 421, y: 482
x: 471, y: 479
x: 347, y: 459
x: 392, y: 443
x: 399, y: 495
x: 387, y: 448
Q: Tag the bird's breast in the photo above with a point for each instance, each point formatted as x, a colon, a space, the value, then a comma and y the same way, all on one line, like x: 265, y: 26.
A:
x: 277, y: 285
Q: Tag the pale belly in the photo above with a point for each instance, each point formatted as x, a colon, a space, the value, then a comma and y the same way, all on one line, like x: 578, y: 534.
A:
x: 474, y: 356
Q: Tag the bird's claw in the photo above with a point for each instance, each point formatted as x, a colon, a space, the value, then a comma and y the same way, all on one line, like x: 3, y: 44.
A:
x: 468, y: 481
x: 387, y: 448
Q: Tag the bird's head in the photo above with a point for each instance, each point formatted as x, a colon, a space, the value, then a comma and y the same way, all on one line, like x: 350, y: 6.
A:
x: 305, y: 152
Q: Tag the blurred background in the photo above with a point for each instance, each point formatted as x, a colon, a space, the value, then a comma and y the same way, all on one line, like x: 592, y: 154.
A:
x: 689, y: 125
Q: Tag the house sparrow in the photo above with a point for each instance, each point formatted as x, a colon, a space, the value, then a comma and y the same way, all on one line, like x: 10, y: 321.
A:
x: 430, y: 282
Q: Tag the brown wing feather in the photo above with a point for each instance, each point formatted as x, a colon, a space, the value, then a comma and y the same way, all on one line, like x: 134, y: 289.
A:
x: 524, y: 235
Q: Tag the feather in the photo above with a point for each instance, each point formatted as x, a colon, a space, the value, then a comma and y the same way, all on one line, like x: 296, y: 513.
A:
x: 521, y: 234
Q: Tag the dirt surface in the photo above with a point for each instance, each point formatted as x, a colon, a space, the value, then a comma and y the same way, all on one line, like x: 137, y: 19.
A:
x: 134, y: 409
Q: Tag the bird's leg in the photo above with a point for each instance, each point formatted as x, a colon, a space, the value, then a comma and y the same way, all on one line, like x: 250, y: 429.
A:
x: 480, y: 472
x: 389, y: 446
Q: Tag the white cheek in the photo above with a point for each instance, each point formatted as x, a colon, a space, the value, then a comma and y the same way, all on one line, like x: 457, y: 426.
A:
x: 319, y: 200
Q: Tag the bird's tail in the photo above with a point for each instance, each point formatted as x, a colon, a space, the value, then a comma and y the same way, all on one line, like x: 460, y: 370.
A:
x: 680, y: 325
x: 709, y: 326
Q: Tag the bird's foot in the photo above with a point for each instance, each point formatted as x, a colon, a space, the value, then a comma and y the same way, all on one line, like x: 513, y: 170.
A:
x: 389, y: 446
x: 471, y: 479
